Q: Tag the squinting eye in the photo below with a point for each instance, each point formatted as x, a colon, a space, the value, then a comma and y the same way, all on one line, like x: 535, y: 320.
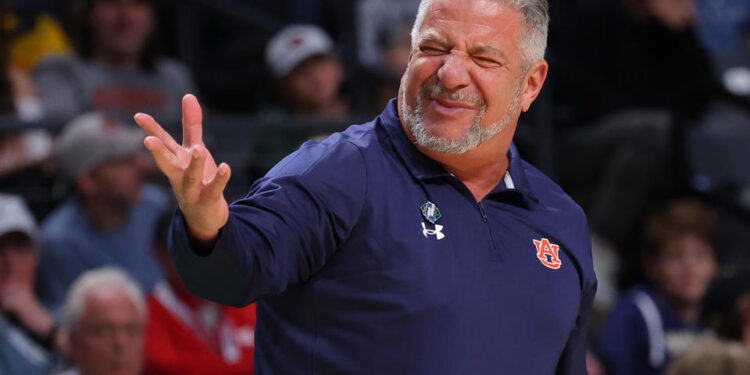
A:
x: 431, y: 50
x: 483, y: 61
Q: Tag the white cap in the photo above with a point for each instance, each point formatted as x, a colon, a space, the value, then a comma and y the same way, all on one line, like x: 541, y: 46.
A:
x: 15, y: 216
x: 293, y: 45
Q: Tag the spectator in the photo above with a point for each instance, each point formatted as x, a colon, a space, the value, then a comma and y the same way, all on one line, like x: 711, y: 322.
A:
x: 645, y: 70
x: 721, y: 23
x: 634, y: 54
x: 653, y: 324
x: 116, y: 69
x: 23, y: 151
x: 17, y: 91
x: 728, y: 303
x: 110, y: 218
x: 712, y: 357
x: 384, y: 44
x: 186, y: 334
x: 307, y: 75
x: 102, y: 326
x: 26, y: 328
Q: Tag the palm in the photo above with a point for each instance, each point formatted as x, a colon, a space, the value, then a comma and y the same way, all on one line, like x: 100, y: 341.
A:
x: 197, y: 181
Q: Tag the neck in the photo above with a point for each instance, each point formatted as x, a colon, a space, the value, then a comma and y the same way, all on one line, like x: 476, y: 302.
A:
x: 115, y: 59
x: 103, y: 214
x: 480, y: 169
x: 689, y: 312
x: 478, y: 173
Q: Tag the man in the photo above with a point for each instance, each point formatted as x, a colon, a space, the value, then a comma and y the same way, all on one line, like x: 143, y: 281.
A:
x: 307, y: 74
x: 383, y: 46
x: 26, y: 327
x: 419, y: 243
x: 653, y: 324
x: 116, y: 69
x: 110, y: 219
x: 102, y: 324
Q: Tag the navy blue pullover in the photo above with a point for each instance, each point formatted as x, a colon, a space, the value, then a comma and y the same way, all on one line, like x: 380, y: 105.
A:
x: 351, y: 278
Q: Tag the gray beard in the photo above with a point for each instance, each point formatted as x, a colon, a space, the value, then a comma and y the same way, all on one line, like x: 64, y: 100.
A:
x: 475, y: 136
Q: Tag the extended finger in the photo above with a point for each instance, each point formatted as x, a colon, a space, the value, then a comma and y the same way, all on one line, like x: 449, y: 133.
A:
x: 167, y: 162
x: 192, y: 118
x: 152, y: 128
x: 215, y: 189
x: 193, y: 180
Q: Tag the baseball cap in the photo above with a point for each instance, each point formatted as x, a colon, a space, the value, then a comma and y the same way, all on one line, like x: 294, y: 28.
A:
x: 92, y: 139
x: 15, y: 216
x: 293, y: 45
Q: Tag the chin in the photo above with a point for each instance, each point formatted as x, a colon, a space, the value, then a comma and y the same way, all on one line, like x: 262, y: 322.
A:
x: 447, y: 129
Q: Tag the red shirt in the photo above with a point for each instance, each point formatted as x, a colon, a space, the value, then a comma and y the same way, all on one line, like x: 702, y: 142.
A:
x: 207, y: 339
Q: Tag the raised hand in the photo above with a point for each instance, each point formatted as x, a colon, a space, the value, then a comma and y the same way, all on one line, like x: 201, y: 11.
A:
x: 197, y: 181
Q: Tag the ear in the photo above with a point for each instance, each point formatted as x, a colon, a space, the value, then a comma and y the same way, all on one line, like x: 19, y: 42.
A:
x: 533, y: 82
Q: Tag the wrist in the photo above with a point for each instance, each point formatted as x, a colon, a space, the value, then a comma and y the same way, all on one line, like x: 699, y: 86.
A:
x: 204, y: 238
x: 202, y: 245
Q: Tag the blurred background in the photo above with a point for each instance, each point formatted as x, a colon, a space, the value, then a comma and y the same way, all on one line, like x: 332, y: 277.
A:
x: 644, y: 120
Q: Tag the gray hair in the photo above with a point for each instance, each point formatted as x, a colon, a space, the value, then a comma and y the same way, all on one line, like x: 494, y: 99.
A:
x: 533, y: 39
x: 93, y: 280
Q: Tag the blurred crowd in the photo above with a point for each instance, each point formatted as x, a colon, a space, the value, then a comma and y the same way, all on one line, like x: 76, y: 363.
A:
x: 645, y: 121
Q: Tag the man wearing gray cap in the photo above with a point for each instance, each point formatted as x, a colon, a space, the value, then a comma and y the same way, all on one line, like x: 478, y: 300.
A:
x: 110, y: 218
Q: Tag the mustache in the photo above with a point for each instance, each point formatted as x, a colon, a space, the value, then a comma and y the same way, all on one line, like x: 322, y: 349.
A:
x: 439, y: 91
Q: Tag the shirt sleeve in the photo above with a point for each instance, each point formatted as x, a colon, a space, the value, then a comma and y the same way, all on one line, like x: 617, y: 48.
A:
x: 573, y: 361
x: 623, y: 341
x: 291, y: 223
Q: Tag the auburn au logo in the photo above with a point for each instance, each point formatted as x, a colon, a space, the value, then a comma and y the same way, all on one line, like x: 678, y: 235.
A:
x: 548, y: 253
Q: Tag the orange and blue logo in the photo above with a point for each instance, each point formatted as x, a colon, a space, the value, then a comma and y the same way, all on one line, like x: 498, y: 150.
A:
x: 548, y: 253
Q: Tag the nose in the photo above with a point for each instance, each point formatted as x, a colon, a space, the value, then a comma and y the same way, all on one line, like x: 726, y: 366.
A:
x: 454, y: 73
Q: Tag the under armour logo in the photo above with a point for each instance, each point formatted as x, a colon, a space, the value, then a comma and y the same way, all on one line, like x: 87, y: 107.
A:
x: 438, y: 231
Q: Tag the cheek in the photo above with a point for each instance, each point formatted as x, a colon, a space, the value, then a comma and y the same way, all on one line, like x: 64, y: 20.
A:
x: 94, y: 351
x: 327, y: 77
x: 143, y: 17
x: 668, y: 272
x: 298, y: 82
x: 102, y: 18
x: 421, y: 71
x: 707, y: 269
x: 499, y: 97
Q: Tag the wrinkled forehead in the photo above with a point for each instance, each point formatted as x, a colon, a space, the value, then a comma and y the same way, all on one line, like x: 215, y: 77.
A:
x: 491, y: 21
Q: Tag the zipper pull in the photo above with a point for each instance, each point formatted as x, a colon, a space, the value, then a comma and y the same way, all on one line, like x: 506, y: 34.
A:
x: 481, y: 210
